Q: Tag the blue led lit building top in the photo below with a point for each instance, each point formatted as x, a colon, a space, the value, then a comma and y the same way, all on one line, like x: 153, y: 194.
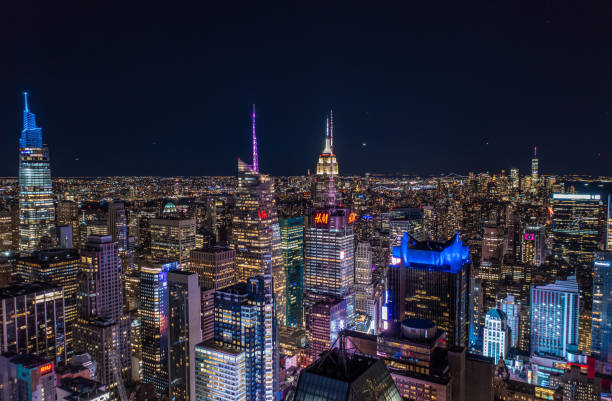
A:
x: 31, y: 135
x: 429, y: 280
x: 449, y: 256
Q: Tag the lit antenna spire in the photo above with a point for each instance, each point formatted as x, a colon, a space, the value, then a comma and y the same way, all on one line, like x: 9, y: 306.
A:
x: 331, y: 129
x: 255, y: 155
x: 535, y: 152
x: 25, y: 96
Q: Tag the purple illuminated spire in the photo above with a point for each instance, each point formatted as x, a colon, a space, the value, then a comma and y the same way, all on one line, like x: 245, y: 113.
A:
x: 535, y: 152
x: 331, y: 129
x: 255, y: 155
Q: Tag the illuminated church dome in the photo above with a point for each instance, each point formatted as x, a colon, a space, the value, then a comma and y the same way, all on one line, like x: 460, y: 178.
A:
x: 170, y: 208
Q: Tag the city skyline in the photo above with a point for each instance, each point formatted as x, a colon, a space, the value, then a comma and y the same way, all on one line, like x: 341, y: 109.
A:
x: 425, y: 90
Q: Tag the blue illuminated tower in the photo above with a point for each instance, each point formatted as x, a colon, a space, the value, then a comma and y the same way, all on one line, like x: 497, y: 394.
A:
x: 36, y: 208
x: 601, y: 343
x: 429, y: 280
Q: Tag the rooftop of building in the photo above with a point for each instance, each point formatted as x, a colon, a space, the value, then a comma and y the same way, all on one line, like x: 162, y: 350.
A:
x: 20, y: 289
x: 497, y: 314
x: 213, y: 249
x: 26, y: 360
x: 52, y: 255
x: 345, y: 367
x: 569, y: 285
x: 224, y: 348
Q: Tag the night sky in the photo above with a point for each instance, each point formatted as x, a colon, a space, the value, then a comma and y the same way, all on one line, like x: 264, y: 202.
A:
x: 431, y: 88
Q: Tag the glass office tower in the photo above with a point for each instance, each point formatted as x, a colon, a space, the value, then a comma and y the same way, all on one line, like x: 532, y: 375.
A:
x: 292, y: 245
x: 36, y: 208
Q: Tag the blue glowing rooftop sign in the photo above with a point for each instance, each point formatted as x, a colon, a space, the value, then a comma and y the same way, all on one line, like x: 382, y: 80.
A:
x: 451, y: 258
x: 31, y: 135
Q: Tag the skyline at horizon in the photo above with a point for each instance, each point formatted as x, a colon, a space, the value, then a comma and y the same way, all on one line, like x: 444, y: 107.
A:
x: 429, y: 91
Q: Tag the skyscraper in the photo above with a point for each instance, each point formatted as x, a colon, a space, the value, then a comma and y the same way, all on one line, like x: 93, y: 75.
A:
x: 67, y: 214
x: 535, y: 166
x: 496, y: 335
x: 429, y: 280
x: 329, y: 263
x: 154, y: 321
x: 554, y: 317
x: 292, y: 245
x: 577, y: 229
x: 36, y: 208
x: 255, y: 229
x: 364, y: 287
x: 244, y: 321
x: 327, y: 165
x: 183, y: 333
x: 327, y: 319
x: 533, y: 245
x: 172, y: 239
x: 117, y: 224
x: 220, y: 372
x: 27, y: 377
x: 512, y: 310
x: 601, y: 343
x: 32, y: 320
x: 103, y: 326
x: 60, y: 267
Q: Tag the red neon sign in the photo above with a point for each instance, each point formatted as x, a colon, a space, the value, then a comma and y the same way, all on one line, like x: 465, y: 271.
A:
x: 262, y: 214
x: 46, y: 368
x: 529, y: 237
x: 321, y: 218
x: 352, y: 217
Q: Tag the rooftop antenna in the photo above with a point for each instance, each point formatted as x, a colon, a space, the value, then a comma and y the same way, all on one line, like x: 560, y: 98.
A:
x: 255, y: 155
x: 535, y: 152
x: 331, y: 129
x: 25, y: 96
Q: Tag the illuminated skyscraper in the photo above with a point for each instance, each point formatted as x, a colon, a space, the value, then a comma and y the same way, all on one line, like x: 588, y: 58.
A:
x: 365, y: 304
x: 67, y: 214
x: 535, y: 165
x: 220, y: 372
x: 512, y: 310
x: 36, y: 208
x: 154, y: 321
x: 601, y: 330
x: 255, y: 229
x: 244, y: 321
x: 533, y: 245
x: 554, y: 317
x: 117, y: 224
x: 327, y: 320
x: 329, y: 263
x: 216, y: 270
x: 327, y: 165
x: 172, y: 239
x: 514, y: 178
x: 429, y: 280
x: 183, y: 333
x: 32, y: 320
x: 60, y: 267
x: 27, y: 377
x: 496, y: 335
x: 577, y: 228
x: 103, y: 326
x: 292, y: 244
x: 608, y: 233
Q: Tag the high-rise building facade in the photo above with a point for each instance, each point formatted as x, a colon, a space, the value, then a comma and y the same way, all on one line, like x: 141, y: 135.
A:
x: 215, y: 266
x: 327, y: 166
x: 220, y: 372
x: 172, y: 239
x: 429, y: 280
x: 554, y: 317
x: 327, y: 319
x: 292, y: 245
x: 103, y: 326
x: 154, y: 321
x: 36, y: 208
x: 255, y: 229
x: 67, y: 214
x: 576, y: 226
x: 117, y: 224
x: 365, y: 303
x: 244, y: 321
x: 601, y: 330
x: 533, y: 245
x: 512, y: 309
x: 184, y: 333
x: 27, y: 377
x: 32, y: 320
x: 496, y: 335
x: 60, y: 267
